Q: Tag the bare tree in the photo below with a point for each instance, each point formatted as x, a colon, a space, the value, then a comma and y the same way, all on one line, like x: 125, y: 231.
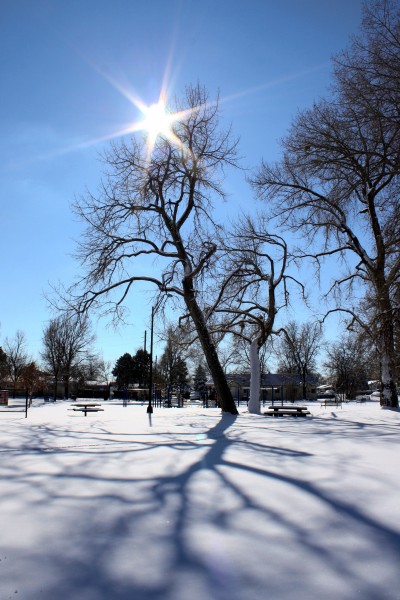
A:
x: 232, y: 351
x: 106, y: 370
x: 32, y: 378
x: 346, y: 366
x: 298, y: 350
x: 52, y: 353
x: 3, y: 364
x: 66, y: 344
x: 91, y: 368
x: 172, y: 365
x: 338, y: 179
x: 17, y: 357
x: 397, y: 333
x: 239, y: 355
x: 159, y: 206
x: 253, y: 273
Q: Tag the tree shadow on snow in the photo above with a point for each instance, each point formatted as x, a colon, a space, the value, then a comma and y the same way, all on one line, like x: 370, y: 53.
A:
x: 193, y: 526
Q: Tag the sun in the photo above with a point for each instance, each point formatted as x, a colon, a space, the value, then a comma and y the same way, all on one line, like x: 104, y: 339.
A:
x: 154, y: 121
x: 157, y: 121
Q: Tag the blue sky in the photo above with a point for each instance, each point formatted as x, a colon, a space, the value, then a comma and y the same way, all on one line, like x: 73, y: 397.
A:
x: 267, y: 59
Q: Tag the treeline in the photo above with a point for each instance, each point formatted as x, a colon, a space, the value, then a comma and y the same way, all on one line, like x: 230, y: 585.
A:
x: 68, y: 356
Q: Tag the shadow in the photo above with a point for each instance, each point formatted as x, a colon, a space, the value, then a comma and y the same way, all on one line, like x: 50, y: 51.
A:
x: 211, y: 513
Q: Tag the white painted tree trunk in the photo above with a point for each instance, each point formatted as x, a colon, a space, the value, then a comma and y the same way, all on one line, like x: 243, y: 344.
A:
x: 386, y: 380
x: 254, y: 400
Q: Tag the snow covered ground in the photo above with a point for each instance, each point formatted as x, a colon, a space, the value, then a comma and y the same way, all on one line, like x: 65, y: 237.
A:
x: 199, y: 506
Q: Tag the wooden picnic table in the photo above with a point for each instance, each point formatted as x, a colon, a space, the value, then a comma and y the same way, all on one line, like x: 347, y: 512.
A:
x: 289, y: 410
x: 86, y: 407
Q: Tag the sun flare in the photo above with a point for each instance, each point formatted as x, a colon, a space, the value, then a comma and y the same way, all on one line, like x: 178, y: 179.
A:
x: 154, y: 120
x: 157, y: 121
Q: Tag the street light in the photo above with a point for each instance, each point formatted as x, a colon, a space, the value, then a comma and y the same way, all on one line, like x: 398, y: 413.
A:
x: 151, y: 357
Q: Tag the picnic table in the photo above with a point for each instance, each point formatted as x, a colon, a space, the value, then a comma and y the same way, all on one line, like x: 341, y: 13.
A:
x: 87, y: 407
x: 289, y: 410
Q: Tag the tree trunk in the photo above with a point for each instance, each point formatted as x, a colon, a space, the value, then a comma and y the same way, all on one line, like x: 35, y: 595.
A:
x: 304, y: 384
x: 389, y: 393
x: 66, y: 386
x: 254, y: 401
x: 386, y: 351
x: 211, y: 356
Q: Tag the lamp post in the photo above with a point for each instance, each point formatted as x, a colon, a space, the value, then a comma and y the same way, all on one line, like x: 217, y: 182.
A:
x: 151, y: 357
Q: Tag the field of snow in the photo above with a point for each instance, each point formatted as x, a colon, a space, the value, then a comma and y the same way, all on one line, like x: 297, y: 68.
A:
x: 199, y: 506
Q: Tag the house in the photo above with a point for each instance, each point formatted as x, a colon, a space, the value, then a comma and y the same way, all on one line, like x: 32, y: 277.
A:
x: 274, y: 387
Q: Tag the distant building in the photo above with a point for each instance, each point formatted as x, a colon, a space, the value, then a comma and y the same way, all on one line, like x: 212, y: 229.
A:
x: 273, y: 386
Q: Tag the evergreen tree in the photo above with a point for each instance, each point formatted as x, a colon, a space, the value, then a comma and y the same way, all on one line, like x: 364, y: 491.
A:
x: 180, y: 372
x: 132, y: 369
x: 173, y: 366
x: 200, y: 380
x: 141, y: 367
x: 124, y: 371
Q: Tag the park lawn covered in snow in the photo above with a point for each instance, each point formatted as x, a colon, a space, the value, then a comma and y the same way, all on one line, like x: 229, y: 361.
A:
x: 199, y: 506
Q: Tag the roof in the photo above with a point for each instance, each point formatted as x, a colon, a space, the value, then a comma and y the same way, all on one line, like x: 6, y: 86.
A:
x: 270, y: 379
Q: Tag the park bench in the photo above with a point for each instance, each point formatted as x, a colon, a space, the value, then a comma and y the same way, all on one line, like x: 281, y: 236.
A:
x: 287, y: 411
x: 331, y: 402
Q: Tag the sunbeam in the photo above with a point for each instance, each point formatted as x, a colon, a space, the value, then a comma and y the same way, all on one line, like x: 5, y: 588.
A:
x: 156, y: 120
